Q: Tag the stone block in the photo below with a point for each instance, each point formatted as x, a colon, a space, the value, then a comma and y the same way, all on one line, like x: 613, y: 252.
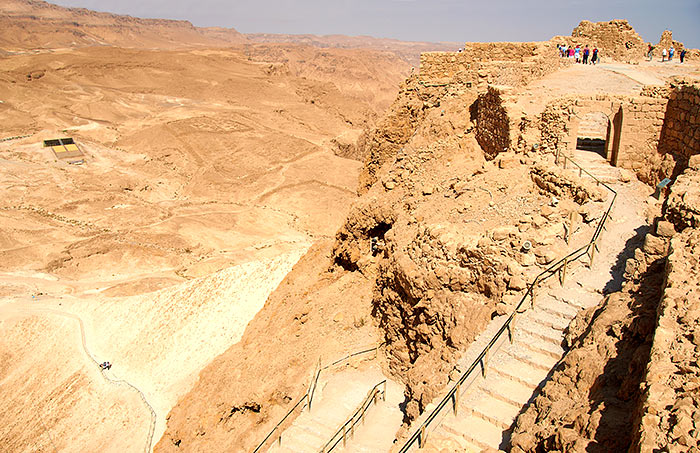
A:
x: 654, y: 245
x: 694, y: 162
x: 665, y: 229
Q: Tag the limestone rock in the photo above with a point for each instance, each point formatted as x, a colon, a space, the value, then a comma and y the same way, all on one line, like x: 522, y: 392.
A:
x: 665, y: 229
x: 654, y: 245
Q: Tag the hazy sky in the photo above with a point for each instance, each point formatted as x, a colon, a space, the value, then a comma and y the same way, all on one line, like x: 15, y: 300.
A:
x: 420, y: 20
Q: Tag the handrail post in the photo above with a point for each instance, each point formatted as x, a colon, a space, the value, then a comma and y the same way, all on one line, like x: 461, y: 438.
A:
x: 510, y: 331
x: 421, y: 439
x: 455, y: 399
x: 563, y: 271
x: 590, y: 262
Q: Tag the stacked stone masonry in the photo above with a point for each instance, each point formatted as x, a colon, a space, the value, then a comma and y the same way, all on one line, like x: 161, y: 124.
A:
x: 653, y: 134
x: 669, y: 418
x: 492, y: 123
x: 481, y: 64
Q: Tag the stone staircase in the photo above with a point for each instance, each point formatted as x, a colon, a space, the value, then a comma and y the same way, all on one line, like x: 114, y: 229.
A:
x: 598, y: 165
x: 519, y: 369
x: 514, y: 374
x: 336, y: 399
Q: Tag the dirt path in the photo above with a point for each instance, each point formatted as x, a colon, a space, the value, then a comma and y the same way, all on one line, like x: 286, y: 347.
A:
x: 15, y: 310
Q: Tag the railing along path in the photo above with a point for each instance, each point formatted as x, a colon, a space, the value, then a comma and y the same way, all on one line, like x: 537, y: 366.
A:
x: 307, y: 398
x: 419, y: 436
x: 348, y: 428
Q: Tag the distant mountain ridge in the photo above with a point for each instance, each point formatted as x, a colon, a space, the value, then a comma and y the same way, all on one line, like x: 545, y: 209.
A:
x: 36, y: 24
x: 32, y: 24
x: 408, y: 50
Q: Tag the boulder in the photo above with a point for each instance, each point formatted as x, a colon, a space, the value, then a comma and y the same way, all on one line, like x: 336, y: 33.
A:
x: 504, y: 232
x: 654, y: 245
x: 665, y: 229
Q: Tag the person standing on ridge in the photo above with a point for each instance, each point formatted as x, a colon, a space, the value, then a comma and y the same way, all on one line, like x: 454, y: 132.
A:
x: 577, y: 54
x: 671, y: 51
x: 663, y: 55
x: 594, y: 59
x: 650, y: 52
x: 586, y: 53
x: 683, y: 52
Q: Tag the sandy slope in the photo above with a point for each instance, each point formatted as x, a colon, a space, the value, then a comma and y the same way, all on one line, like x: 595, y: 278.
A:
x: 54, y: 399
x: 207, y: 173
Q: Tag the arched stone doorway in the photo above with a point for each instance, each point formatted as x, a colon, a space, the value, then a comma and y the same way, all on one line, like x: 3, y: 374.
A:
x: 594, y: 133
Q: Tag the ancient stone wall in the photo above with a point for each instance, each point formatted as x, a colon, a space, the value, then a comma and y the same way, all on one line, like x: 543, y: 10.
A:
x: 641, y: 124
x: 501, y: 51
x: 492, y: 123
x: 652, y: 134
x: 680, y: 135
x: 615, y: 39
x: 500, y: 63
x: 447, y: 67
x: 666, y: 41
x: 669, y: 415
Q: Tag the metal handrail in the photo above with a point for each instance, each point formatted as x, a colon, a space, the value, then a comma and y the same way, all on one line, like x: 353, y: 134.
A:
x: 355, y: 418
x: 452, y: 395
x: 308, y: 396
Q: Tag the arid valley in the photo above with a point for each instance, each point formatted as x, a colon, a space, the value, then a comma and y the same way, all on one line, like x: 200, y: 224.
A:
x: 314, y: 243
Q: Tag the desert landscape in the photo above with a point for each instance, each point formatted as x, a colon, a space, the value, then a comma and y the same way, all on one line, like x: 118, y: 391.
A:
x: 216, y: 241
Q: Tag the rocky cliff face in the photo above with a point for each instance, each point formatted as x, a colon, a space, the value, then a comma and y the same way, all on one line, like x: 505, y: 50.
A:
x: 440, y: 235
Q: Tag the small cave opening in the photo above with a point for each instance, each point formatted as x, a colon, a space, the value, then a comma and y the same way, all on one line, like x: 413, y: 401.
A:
x: 376, y: 237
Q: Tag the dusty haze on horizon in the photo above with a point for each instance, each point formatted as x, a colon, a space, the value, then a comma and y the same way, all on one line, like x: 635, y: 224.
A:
x: 416, y: 20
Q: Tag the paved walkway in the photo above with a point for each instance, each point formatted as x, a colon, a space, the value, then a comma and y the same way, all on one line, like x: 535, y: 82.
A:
x: 337, y: 397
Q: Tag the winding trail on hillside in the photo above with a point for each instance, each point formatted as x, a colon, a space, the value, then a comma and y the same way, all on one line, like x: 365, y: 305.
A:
x: 12, y: 310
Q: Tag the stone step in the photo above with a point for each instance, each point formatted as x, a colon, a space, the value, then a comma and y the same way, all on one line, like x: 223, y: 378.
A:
x: 560, y: 309
x: 296, y: 437
x: 542, y: 317
x: 291, y: 443
x: 525, y: 375
x: 539, y: 346
x: 511, y: 392
x: 534, y: 359
x: 474, y: 430
x: 493, y: 410
x: 544, y: 332
x: 442, y: 440
x: 552, y: 347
